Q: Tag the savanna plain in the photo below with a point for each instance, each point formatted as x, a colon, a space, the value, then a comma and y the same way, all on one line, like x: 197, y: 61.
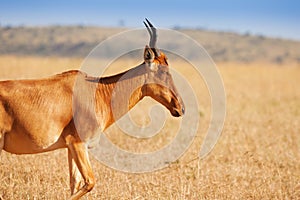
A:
x: 256, y: 157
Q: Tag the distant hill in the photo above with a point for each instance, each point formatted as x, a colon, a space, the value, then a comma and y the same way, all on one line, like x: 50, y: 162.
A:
x: 78, y: 41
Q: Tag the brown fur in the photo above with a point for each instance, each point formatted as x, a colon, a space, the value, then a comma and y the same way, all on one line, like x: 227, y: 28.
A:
x: 47, y: 114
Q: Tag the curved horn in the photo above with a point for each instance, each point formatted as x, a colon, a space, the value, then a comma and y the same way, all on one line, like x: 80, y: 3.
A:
x: 153, y: 36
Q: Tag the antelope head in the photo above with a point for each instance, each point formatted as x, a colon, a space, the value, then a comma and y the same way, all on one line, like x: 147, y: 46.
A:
x: 159, y: 82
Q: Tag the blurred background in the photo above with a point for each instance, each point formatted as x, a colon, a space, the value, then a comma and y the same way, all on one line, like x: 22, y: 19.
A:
x: 230, y: 30
x: 270, y: 18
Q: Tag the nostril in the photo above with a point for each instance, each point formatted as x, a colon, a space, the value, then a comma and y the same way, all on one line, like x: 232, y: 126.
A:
x: 183, y: 110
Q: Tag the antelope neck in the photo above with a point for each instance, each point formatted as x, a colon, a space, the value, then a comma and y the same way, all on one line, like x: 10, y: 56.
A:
x: 116, y: 95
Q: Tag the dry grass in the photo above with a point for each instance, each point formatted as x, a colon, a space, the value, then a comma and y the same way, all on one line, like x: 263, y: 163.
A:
x: 257, y: 156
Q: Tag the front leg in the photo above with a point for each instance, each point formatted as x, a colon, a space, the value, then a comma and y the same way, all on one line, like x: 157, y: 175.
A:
x: 79, y: 154
x: 75, y: 176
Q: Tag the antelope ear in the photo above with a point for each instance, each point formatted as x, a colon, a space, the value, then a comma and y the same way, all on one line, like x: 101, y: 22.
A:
x: 149, y: 58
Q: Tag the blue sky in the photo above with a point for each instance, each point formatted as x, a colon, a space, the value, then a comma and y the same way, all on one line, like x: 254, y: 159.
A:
x: 276, y: 18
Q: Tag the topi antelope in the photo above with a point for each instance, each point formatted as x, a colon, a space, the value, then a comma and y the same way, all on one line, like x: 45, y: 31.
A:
x: 43, y: 115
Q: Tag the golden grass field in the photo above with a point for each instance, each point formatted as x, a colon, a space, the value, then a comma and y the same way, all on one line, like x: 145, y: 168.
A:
x: 256, y: 157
